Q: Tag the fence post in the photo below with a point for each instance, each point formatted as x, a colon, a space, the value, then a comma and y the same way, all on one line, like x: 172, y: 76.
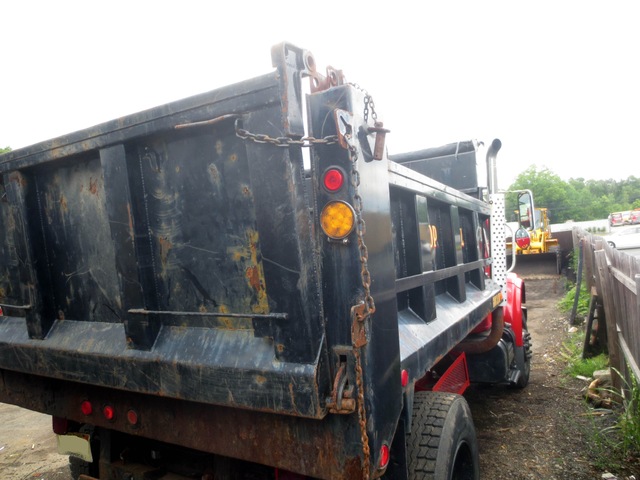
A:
x: 608, y: 295
x: 574, y: 310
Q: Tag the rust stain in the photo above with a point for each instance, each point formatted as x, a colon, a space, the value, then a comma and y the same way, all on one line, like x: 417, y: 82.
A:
x: 93, y: 186
x: 214, y: 174
x: 131, y: 232
x: 253, y: 275
x: 246, y: 191
x: 260, y: 379
x: 247, y: 257
x: 19, y: 179
x: 165, y: 248
x: 219, y: 147
x: 292, y: 397
x: 263, y: 305
x: 233, y: 157
x: 226, y: 322
x: 63, y: 203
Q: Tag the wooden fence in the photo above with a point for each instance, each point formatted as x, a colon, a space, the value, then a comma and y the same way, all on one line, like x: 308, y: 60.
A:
x: 613, y: 280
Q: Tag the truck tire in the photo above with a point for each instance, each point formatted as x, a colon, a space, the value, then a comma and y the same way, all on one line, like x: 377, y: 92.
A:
x: 523, y: 379
x: 442, y: 444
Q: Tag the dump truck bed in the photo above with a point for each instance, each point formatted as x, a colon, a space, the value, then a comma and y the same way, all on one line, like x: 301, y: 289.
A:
x: 172, y: 262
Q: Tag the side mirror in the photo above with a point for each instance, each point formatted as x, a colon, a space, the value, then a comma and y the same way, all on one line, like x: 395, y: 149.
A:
x: 525, y: 210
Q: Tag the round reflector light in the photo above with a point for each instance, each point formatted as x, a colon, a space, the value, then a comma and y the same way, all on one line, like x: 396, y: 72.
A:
x: 86, y: 407
x: 337, y: 219
x: 109, y: 412
x: 333, y: 179
x: 132, y: 417
x: 522, y: 238
x: 384, y: 456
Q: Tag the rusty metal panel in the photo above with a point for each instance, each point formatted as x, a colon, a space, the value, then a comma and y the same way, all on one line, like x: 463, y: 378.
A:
x: 321, y: 449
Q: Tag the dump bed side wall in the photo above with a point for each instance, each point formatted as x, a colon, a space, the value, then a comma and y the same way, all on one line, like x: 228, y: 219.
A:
x: 441, y: 251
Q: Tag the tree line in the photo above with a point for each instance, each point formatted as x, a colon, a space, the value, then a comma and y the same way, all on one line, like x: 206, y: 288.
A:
x: 577, y: 199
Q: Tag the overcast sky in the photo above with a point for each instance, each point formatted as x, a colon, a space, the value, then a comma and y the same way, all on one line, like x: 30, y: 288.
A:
x: 557, y: 81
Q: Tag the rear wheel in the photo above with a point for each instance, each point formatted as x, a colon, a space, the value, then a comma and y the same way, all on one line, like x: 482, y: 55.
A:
x: 442, y: 444
x: 523, y: 378
x: 525, y: 355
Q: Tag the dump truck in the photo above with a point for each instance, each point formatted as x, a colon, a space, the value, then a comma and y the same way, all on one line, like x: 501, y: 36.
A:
x: 242, y: 284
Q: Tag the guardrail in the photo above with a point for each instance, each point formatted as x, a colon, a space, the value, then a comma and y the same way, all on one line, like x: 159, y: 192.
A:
x: 613, y: 280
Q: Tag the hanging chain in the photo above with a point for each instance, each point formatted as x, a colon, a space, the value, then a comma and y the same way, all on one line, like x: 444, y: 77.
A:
x: 284, y: 142
x: 361, y: 229
x: 369, y: 106
x: 362, y: 311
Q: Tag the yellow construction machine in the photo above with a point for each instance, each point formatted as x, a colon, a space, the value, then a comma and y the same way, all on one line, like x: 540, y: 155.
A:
x: 536, y: 250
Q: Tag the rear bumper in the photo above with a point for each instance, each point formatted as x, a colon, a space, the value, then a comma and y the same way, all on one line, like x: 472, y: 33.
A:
x: 207, y: 365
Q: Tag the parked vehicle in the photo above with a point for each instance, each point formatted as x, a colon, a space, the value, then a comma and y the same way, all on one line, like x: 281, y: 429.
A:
x: 616, y: 219
x: 635, y: 217
x: 627, y: 238
x: 190, y: 296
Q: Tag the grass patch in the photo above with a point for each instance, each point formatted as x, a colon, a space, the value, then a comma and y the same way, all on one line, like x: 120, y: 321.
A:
x: 566, y: 303
x: 571, y: 352
x: 614, y: 435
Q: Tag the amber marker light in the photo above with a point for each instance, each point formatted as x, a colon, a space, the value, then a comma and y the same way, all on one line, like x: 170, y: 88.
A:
x: 337, y: 219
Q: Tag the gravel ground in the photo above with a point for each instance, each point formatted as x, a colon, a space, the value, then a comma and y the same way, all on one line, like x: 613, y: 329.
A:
x: 544, y: 431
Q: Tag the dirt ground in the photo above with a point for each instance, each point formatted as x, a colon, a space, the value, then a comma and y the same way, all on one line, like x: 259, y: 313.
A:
x: 28, y: 447
x: 544, y: 430
x: 540, y: 432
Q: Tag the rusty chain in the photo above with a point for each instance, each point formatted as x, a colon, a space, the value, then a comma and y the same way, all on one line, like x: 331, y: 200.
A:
x: 362, y: 311
x: 369, y: 105
x: 284, y: 142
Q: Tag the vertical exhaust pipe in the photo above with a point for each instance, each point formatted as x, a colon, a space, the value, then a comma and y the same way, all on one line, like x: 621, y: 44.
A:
x: 492, y: 169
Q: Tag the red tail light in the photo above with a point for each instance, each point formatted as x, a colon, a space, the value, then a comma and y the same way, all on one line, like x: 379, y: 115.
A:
x: 384, y: 456
x: 132, y: 417
x: 109, y: 412
x: 333, y: 179
x: 86, y: 408
x: 404, y: 378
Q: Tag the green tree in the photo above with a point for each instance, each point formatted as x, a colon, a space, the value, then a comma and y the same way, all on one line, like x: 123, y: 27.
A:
x: 578, y: 199
x: 549, y: 191
x: 5, y: 150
